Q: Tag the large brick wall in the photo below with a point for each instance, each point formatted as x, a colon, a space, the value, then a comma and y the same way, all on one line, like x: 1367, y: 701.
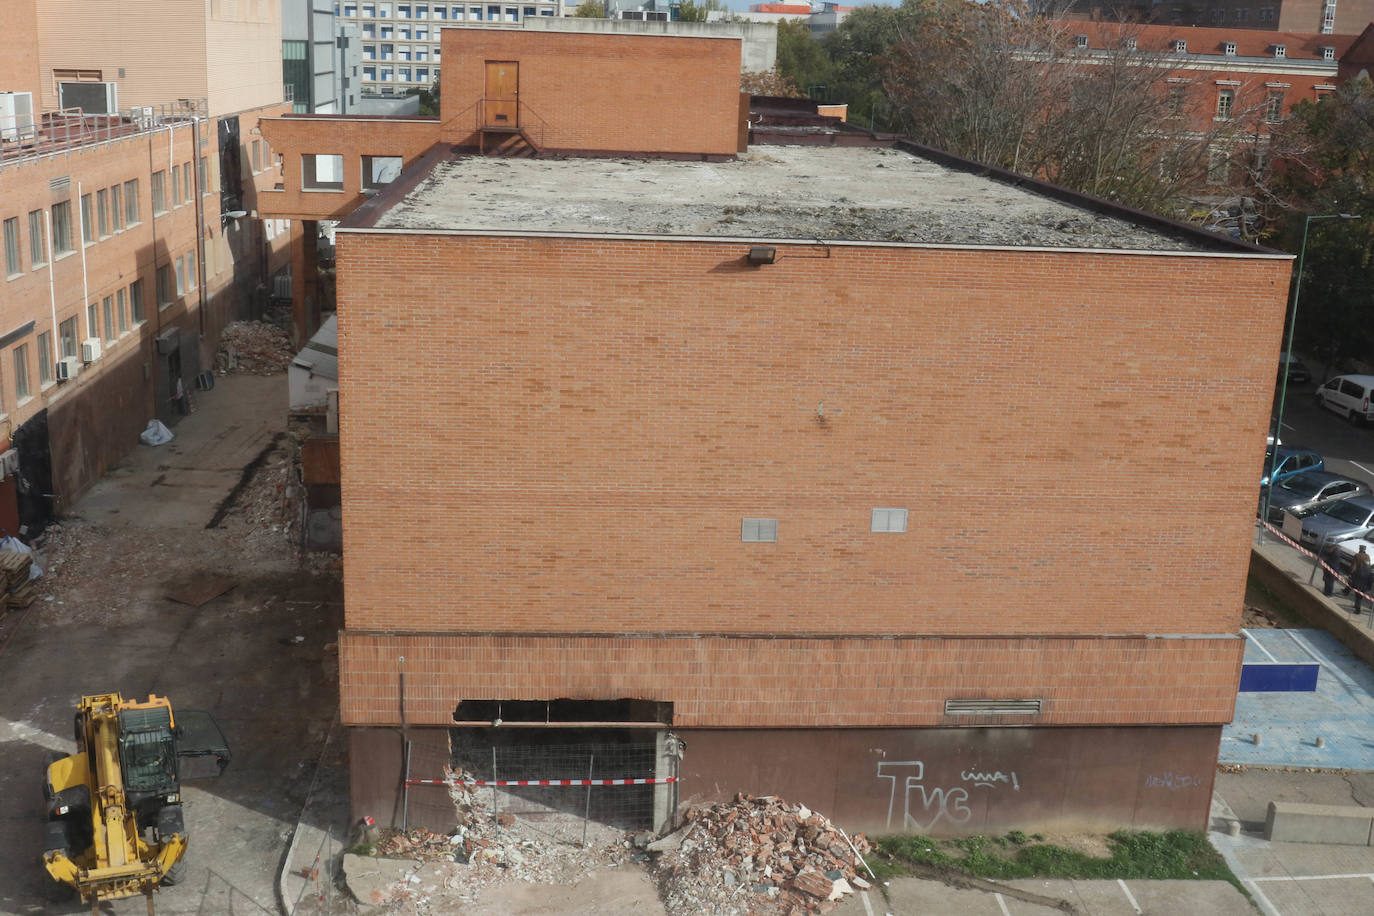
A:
x: 19, y: 63
x: 561, y: 436
x: 601, y: 93
x: 767, y: 683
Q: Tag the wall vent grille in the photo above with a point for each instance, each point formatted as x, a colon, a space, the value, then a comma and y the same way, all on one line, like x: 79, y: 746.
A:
x: 993, y: 707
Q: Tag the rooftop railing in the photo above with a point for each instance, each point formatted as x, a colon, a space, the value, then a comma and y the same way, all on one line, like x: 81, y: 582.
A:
x: 26, y: 137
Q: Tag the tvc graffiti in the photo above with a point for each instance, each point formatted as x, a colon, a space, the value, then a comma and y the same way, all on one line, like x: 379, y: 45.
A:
x: 924, y: 806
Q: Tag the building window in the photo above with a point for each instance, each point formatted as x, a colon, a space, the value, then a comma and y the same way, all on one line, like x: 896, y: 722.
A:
x: 203, y: 174
x: 1177, y: 96
x: 388, y: 52
x: 369, y: 30
x: 386, y: 74
x: 117, y: 208
x: 66, y: 336
x: 191, y: 283
x: 369, y: 52
x: 1328, y: 53
x: 380, y: 171
x: 256, y: 149
x: 21, y: 372
x: 351, y: 10
x: 1229, y: 49
x: 92, y: 320
x: 403, y: 11
x: 370, y: 73
x: 102, y: 212
x: 403, y: 74
x: 62, y: 227
x: 1226, y: 102
x: 530, y: 12
x: 164, y: 286
x: 37, y: 256
x: 107, y: 316
x: 1242, y: 15
x: 421, y: 11
x: 1218, y: 166
x: 441, y: 12
x: 1328, y: 20
x: 759, y: 530
x: 186, y: 194
x: 1273, y: 107
x: 176, y: 186
x: 131, y: 202
x: 421, y: 33
x: 159, y: 192
x: 44, y: 345
x: 1180, y: 46
x: 322, y: 171
x: 181, y: 278
x: 87, y: 221
x: 1266, y: 14
x: 422, y: 74
x: 888, y: 520
x: 1218, y: 15
x: 12, y: 265
x: 136, y: 301
x: 1280, y: 51
x: 122, y: 311
x: 1080, y: 41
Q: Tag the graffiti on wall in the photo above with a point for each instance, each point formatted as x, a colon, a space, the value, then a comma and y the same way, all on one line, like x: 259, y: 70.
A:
x: 924, y: 806
x: 1172, y: 781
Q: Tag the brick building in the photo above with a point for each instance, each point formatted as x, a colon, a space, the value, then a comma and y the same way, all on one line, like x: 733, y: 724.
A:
x: 124, y: 258
x: 1326, y: 17
x: 1231, y: 86
x: 850, y: 483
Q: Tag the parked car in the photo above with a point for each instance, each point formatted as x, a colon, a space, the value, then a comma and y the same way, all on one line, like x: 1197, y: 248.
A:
x: 1305, y: 493
x: 1345, y: 553
x: 1297, y: 370
x: 1339, y: 521
x: 1289, y: 461
x: 1349, y: 396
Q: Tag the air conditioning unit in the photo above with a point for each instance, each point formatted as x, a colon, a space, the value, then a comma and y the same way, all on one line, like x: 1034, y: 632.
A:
x: 168, y: 342
x: 67, y: 368
x: 9, y: 463
x: 90, y: 349
x: 16, y: 116
x: 91, y: 98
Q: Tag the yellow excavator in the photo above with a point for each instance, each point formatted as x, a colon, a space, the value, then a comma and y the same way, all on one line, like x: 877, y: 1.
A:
x: 115, y: 826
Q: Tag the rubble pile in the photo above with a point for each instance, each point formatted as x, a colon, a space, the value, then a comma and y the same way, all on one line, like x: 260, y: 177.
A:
x: 539, y: 847
x: 758, y: 855
x: 254, y: 347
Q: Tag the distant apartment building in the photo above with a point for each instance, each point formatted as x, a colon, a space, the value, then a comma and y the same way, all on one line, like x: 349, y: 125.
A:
x: 400, y: 41
x: 321, y: 58
x: 1325, y: 17
x: 129, y: 173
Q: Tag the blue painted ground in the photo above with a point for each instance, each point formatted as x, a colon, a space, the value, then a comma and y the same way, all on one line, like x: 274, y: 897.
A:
x: 1341, y: 710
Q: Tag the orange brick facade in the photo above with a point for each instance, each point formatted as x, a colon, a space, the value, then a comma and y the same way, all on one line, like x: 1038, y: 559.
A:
x: 584, y: 423
x: 601, y: 92
x: 19, y: 63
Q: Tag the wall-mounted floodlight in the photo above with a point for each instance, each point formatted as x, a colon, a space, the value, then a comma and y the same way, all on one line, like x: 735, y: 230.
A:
x: 762, y: 255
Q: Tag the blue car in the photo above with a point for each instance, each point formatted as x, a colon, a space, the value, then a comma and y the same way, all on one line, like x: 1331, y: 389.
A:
x: 1289, y: 461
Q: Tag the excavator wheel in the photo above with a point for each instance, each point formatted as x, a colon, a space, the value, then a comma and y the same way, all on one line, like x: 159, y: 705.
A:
x: 176, y: 874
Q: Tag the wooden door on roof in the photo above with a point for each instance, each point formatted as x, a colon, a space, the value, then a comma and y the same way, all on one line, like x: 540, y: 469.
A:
x: 502, y: 106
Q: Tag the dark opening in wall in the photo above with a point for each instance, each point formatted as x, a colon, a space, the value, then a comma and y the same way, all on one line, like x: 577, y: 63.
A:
x: 564, y: 711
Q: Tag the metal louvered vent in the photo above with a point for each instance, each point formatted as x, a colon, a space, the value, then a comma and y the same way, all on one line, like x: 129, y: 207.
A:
x: 60, y: 185
x: 993, y: 707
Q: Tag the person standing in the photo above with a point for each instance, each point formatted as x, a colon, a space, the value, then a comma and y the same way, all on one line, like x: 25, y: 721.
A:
x: 1361, y: 577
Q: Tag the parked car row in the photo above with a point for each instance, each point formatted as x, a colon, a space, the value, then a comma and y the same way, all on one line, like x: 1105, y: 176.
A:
x: 1309, y: 492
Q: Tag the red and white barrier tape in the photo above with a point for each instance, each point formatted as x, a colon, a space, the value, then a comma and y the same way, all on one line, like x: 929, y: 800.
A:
x: 658, y: 781
x: 1320, y: 562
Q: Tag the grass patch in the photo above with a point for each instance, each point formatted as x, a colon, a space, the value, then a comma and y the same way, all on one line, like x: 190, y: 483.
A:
x: 1178, y: 854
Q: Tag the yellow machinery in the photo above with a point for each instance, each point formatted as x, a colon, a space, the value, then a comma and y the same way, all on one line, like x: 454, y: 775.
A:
x: 115, y: 826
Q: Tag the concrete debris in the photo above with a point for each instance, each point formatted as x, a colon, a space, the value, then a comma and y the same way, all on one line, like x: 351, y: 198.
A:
x: 757, y: 855
x: 541, y: 846
x: 254, y: 347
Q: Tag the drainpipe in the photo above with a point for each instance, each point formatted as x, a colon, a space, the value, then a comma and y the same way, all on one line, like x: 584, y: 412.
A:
x: 85, y: 290
x: 196, y: 189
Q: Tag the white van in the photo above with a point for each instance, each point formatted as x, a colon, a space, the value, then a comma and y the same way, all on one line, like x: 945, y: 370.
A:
x: 1351, y: 396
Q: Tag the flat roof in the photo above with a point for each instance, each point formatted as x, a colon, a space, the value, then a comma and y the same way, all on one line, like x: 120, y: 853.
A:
x: 861, y: 194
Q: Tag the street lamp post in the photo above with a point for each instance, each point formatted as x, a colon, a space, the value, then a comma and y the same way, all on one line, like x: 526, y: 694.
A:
x: 1288, y: 352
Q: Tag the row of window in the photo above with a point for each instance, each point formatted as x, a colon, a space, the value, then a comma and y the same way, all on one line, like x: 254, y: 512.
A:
x: 324, y: 171
x: 437, y: 11
x: 765, y: 530
x: 400, y: 75
x: 404, y: 52
x: 1228, y: 48
x: 104, y: 213
x: 115, y: 315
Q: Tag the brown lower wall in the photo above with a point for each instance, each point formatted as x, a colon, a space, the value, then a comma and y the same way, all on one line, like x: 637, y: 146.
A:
x: 939, y: 781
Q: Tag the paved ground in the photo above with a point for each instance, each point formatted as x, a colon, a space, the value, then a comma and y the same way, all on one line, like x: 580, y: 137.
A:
x: 910, y: 897
x: 104, y: 623
x: 1340, y: 712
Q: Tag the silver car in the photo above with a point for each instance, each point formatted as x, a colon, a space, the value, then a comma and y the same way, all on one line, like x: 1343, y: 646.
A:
x: 1339, y: 521
x: 1303, y: 494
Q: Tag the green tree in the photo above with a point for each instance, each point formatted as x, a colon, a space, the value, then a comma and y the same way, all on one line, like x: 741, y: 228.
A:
x: 590, y: 9
x: 1327, y: 151
x: 858, y: 51
x: 802, y: 61
x: 691, y: 11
